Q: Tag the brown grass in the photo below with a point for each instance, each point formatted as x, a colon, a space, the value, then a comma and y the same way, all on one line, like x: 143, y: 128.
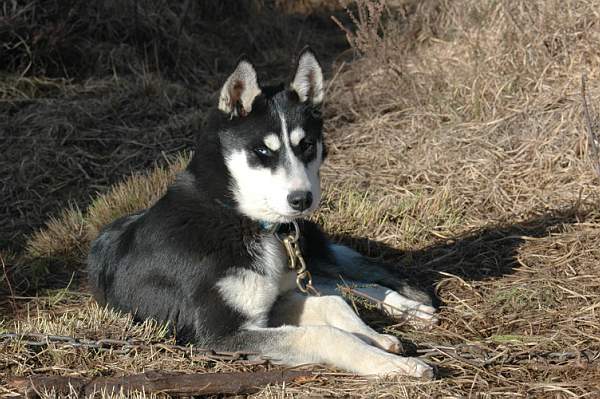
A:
x: 93, y: 91
x: 459, y: 156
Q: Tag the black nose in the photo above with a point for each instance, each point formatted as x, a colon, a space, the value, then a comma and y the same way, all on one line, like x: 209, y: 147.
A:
x: 300, y: 200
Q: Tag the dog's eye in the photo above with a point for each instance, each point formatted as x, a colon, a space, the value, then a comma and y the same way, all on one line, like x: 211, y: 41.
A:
x: 263, y: 151
x: 307, y: 146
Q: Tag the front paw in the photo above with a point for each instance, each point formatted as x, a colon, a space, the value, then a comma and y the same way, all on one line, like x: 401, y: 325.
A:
x: 393, y: 366
x: 408, y: 306
x: 391, y: 344
x: 400, y: 307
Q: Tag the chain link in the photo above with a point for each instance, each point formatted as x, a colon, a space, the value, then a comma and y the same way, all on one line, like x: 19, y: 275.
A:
x: 123, y: 347
x: 296, y: 260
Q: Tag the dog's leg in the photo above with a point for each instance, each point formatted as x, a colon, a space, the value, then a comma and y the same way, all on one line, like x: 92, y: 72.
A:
x: 292, y: 346
x: 371, y: 279
x: 331, y: 310
x: 392, y: 303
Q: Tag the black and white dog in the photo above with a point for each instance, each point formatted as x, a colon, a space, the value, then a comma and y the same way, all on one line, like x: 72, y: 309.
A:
x: 205, y: 259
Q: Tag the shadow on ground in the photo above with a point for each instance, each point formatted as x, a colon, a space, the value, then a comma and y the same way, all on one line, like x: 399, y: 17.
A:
x: 477, y: 255
x: 92, y: 91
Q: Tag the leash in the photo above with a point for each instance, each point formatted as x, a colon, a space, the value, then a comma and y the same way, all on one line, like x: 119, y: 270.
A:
x: 290, y: 243
x: 38, y: 342
x: 296, y: 260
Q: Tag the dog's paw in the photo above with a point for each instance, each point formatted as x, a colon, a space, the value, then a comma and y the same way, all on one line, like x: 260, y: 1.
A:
x: 393, y: 366
x: 400, y: 306
x: 389, y: 343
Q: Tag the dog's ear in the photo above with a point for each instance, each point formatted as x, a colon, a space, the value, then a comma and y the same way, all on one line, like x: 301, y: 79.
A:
x: 240, y: 90
x: 308, y: 79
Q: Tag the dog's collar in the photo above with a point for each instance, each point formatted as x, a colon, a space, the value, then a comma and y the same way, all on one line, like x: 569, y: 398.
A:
x: 279, y: 229
x: 268, y: 227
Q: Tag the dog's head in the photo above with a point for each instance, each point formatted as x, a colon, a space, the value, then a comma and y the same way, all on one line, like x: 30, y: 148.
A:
x: 271, y: 141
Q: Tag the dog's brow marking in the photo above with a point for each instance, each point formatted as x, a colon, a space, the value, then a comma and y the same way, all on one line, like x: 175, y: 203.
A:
x: 272, y: 142
x: 284, y: 132
x: 286, y: 142
x: 296, y: 170
x: 297, y: 135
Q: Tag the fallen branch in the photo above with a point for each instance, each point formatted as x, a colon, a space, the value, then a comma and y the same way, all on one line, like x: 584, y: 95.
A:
x: 159, y: 382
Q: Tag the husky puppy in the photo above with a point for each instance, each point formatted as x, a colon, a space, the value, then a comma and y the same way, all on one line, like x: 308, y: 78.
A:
x: 206, y: 258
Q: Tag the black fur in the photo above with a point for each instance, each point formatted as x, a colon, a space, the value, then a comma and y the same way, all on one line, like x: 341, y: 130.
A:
x: 248, y: 132
x: 164, y: 263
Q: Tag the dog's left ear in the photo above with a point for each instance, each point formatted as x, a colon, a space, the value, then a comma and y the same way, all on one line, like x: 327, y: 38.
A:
x: 240, y: 90
x: 308, y: 79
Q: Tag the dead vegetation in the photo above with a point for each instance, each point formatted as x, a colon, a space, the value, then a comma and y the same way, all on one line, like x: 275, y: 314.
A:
x: 91, y: 91
x: 458, y: 153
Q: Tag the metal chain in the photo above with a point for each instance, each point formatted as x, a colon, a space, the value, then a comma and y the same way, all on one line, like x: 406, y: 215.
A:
x: 123, y: 347
x: 483, y: 357
x: 296, y: 260
x: 469, y: 354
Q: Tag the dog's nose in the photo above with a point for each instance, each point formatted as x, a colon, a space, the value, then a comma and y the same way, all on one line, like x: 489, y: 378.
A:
x: 300, y: 200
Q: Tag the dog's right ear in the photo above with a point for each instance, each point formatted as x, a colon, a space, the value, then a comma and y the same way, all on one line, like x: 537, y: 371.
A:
x: 240, y: 90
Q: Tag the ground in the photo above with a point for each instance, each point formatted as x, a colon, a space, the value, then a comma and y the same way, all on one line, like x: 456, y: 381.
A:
x: 458, y: 155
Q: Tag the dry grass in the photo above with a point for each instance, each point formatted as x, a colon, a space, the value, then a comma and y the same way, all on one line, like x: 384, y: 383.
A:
x: 92, y: 91
x: 458, y: 155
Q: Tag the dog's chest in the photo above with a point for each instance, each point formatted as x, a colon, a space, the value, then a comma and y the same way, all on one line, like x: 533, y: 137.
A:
x: 253, y: 291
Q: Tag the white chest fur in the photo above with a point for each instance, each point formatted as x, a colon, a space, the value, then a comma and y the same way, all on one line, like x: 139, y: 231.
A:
x: 253, y: 292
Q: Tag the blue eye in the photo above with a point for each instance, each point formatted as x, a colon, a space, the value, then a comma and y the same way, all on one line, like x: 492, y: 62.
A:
x: 263, y: 151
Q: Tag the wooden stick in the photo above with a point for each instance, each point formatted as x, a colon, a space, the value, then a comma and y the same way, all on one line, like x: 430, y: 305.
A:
x: 155, y: 382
